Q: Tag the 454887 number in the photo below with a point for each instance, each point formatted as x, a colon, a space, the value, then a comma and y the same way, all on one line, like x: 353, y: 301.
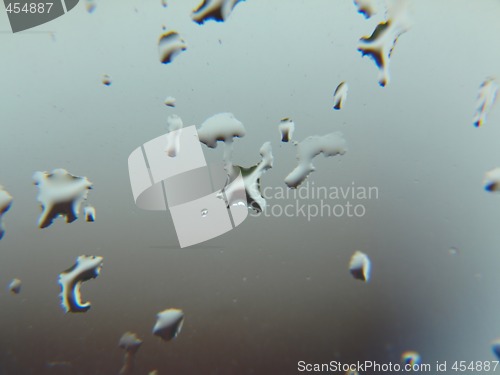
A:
x: 29, y: 8
x: 478, y: 366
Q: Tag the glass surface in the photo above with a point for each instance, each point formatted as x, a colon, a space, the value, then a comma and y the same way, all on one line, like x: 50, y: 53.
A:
x: 387, y: 250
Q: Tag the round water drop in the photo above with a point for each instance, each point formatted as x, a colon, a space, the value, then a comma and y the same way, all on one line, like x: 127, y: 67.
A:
x: 106, y: 80
x: 204, y: 212
x: 453, y: 251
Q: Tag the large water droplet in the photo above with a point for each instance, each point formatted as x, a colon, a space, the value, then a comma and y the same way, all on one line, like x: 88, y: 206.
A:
x: 330, y: 145
x: 60, y: 194
x: 380, y: 44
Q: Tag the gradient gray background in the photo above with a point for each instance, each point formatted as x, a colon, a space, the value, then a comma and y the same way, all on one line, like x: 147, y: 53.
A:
x: 274, y: 291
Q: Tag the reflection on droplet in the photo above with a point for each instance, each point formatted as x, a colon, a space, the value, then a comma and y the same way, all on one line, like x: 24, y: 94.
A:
x: 86, y: 268
x: 131, y: 344
x: 5, y: 204
x: 204, y: 212
x: 169, y: 101
x: 106, y: 80
x: 60, y: 194
x: 15, y: 286
x: 380, y: 44
x: 174, y: 124
x: 485, y: 99
x: 360, y: 266
x: 89, y: 213
x: 492, y: 180
x: 217, y: 10
x: 411, y: 358
x: 170, y: 45
x: 330, y: 145
x: 340, y: 95
x: 366, y: 7
x: 286, y: 127
x: 90, y: 5
x: 168, y: 324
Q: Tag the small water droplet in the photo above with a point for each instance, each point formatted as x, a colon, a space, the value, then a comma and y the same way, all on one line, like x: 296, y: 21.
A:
x: 170, y: 45
x: 453, y: 250
x: 204, y: 212
x: 106, y: 80
x: 235, y: 300
x: 308, y: 278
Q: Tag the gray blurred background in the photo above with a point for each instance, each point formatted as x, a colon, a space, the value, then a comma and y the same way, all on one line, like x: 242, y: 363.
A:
x: 276, y: 290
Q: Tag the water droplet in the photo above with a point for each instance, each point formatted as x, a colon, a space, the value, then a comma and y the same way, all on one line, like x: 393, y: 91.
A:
x: 222, y: 127
x: 60, y: 194
x: 365, y: 7
x: 106, y: 80
x: 286, y: 127
x: 15, y: 286
x: 131, y: 344
x: 411, y: 358
x: 164, y: 3
x: 175, y: 125
x: 85, y: 268
x: 495, y: 346
x: 244, y: 279
x: 308, y: 278
x: 170, y: 45
x: 169, y: 101
x: 453, y: 251
x: 492, y: 180
x: 330, y: 145
x: 380, y: 44
x: 168, y: 324
x: 90, y: 5
x: 360, y: 266
x: 204, y: 212
x: 252, y: 180
x: 485, y: 99
x: 235, y: 300
x: 5, y: 204
x: 89, y: 213
x: 340, y: 95
x: 217, y: 10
